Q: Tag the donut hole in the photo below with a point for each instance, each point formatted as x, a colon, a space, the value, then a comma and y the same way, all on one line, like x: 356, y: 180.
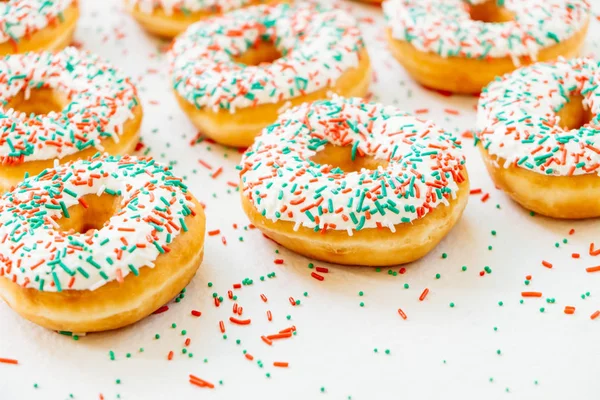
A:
x: 574, y: 114
x: 262, y: 53
x: 38, y: 102
x: 341, y: 157
x: 490, y: 12
x: 98, y: 210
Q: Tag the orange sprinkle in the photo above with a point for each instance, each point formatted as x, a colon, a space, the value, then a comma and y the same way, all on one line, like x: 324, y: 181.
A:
x: 531, y: 294
x: 215, y: 232
x: 8, y: 361
x: 281, y: 364
x: 593, y: 269
x: 266, y: 340
x: 240, y: 321
x: 170, y: 356
x: 280, y: 336
x: 546, y: 264
x: 200, y: 382
x: 222, y: 326
x: 424, y: 294
x: 269, y: 315
x: 249, y: 356
x: 595, y: 314
x: 575, y: 255
x: 402, y: 313
x: 569, y: 310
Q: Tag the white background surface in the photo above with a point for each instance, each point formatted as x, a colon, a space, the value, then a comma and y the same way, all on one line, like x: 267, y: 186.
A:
x: 439, y: 352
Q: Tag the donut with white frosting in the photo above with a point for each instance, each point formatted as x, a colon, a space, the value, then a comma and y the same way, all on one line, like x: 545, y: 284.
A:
x: 539, y: 133
x: 405, y: 187
x: 484, y: 39
x: 311, y: 50
x: 95, y: 108
x: 97, y: 244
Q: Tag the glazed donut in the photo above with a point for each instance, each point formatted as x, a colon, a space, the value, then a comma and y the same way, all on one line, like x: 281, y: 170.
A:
x: 168, y: 18
x: 539, y: 135
x: 63, y: 267
x: 35, y: 25
x: 64, y: 106
x: 354, y: 183
x: 223, y: 78
x: 455, y: 46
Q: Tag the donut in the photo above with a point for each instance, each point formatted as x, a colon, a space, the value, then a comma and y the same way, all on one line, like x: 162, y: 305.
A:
x: 98, y: 244
x: 539, y: 135
x: 354, y: 183
x: 454, y: 46
x: 62, y: 106
x: 224, y: 79
x: 169, y: 18
x: 35, y: 25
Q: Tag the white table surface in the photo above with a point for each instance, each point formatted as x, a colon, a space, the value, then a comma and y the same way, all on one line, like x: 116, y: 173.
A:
x: 438, y: 352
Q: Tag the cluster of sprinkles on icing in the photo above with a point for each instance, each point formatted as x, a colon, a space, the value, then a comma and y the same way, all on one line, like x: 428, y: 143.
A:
x: 35, y: 253
x: 171, y: 7
x: 317, y: 44
x: 423, y: 171
x: 22, y: 18
x: 517, y: 118
x: 101, y: 99
x: 444, y: 27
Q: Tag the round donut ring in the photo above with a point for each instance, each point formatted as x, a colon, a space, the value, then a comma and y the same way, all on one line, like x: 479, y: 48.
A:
x: 62, y: 106
x: 34, y: 25
x: 222, y: 83
x: 354, y: 183
x: 168, y: 19
x: 63, y: 267
x: 539, y: 135
x: 455, y: 46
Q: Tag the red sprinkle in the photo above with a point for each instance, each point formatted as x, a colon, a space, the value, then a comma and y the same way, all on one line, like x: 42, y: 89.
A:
x: 196, y: 313
x: 322, y: 269
x: 278, y: 261
x: 280, y: 364
x: 161, y: 310
x: 222, y: 326
x: 317, y: 276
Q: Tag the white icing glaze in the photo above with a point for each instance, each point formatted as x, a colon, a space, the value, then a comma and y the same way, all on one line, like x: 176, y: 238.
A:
x: 517, y: 118
x: 22, y: 17
x: 101, y: 101
x: 444, y: 27
x: 318, y: 46
x: 171, y: 7
x: 35, y: 253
